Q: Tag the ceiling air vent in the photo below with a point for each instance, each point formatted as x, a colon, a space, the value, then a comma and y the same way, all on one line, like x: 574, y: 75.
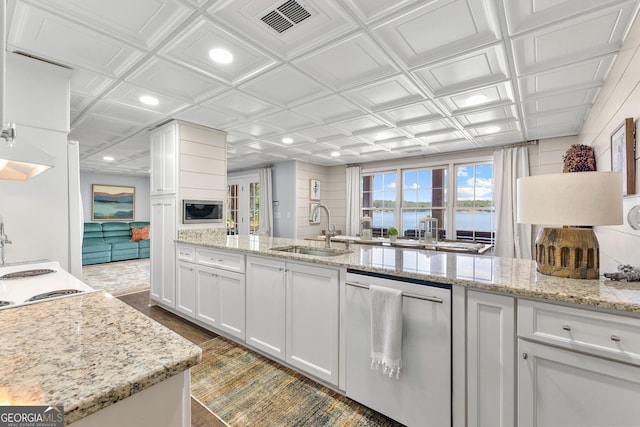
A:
x: 286, y: 16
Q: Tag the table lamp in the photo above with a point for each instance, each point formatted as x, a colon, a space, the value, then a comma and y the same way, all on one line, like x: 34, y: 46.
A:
x: 572, y: 200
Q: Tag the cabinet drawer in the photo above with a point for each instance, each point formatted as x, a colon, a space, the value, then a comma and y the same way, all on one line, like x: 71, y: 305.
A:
x: 602, y: 334
x: 186, y: 253
x: 225, y: 260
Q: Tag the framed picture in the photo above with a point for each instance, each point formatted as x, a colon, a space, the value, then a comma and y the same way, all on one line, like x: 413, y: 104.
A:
x: 113, y: 203
x: 315, y: 219
x: 623, y: 154
x: 314, y: 189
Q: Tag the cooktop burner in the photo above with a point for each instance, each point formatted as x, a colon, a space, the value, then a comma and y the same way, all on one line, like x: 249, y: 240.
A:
x: 53, y: 294
x: 27, y: 273
x: 5, y: 303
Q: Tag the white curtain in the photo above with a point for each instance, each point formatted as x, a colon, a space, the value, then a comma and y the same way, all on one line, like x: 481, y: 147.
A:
x: 513, y: 240
x: 353, y: 201
x: 266, y: 202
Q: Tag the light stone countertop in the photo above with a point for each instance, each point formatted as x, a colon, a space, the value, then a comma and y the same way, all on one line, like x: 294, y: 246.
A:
x: 504, y: 275
x: 85, y: 352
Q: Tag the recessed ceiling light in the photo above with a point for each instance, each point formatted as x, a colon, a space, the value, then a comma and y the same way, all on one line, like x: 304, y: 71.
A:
x: 287, y: 140
x: 221, y: 56
x: 108, y: 159
x: 149, y: 100
x: 476, y: 99
x: 492, y: 129
x: 335, y: 154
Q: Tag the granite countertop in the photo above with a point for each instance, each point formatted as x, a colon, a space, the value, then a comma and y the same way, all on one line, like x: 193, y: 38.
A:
x: 504, y: 275
x: 85, y: 352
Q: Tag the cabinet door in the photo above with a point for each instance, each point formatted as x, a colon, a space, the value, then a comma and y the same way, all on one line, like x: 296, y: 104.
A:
x: 208, y: 296
x: 186, y: 288
x: 169, y: 139
x: 162, y: 236
x: 163, y: 160
x: 232, y: 300
x: 266, y: 305
x: 157, y: 163
x: 312, y: 320
x: 490, y: 360
x: 169, y: 252
x: 155, y: 247
x: 558, y: 387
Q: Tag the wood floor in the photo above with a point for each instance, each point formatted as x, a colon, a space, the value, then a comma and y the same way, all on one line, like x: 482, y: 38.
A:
x: 200, y: 416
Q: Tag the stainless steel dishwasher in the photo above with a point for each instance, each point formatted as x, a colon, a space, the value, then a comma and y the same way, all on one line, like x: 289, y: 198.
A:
x: 422, y: 394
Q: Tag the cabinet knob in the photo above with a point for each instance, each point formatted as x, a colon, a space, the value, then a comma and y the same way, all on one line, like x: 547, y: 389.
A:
x: 566, y: 327
x: 525, y: 356
x: 615, y: 338
x: 220, y: 261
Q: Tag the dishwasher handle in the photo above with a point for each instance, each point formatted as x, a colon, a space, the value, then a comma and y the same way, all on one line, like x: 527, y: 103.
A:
x: 404, y: 294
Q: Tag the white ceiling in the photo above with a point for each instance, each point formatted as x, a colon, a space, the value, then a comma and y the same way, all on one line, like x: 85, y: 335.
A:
x: 370, y: 79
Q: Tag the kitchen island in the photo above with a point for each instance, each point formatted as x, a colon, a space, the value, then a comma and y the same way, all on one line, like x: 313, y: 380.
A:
x: 523, y: 346
x: 503, y: 275
x: 105, y: 362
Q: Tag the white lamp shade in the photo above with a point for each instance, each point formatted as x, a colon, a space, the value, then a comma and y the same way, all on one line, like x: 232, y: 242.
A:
x: 576, y: 198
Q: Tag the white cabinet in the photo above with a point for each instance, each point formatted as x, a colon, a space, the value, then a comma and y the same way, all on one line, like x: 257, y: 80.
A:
x: 266, y: 300
x: 490, y: 360
x: 186, y: 288
x: 563, y: 388
x: 220, y: 300
x: 293, y: 314
x: 208, y: 300
x: 312, y: 320
x: 162, y: 236
x: 588, y: 376
x: 163, y: 160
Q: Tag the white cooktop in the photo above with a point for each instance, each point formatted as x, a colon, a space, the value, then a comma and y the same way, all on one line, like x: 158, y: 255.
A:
x: 18, y: 290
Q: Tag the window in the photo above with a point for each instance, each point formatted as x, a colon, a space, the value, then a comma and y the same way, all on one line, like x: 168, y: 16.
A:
x: 243, y: 205
x: 232, y: 208
x: 423, y: 195
x: 474, y: 210
x: 254, y: 207
x: 379, y: 201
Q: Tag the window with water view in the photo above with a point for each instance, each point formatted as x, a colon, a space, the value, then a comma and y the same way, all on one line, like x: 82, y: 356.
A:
x: 475, y: 215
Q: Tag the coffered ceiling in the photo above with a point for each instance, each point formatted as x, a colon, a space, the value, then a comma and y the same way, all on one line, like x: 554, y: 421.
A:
x: 348, y: 81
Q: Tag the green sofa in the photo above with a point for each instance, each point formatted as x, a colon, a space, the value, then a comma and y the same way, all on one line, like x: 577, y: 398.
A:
x: 111, y: 241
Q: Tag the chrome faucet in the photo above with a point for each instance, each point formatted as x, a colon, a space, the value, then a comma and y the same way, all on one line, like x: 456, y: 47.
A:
x: 331, y: 230
x: 4, y: 239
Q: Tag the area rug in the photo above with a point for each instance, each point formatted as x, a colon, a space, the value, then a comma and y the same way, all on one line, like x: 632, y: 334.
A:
x: 244, y: 388
x: 120, y: 277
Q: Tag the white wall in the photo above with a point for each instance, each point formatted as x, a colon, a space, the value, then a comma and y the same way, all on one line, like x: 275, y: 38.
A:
x: 283, y: 177
x: 36, y: 212
x: 141, y: 184
x: 619, y: 98
x: 332, y: 194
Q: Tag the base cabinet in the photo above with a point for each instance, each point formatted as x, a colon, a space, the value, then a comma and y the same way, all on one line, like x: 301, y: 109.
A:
x: 490, y: 360
x: 266, y: 305
x: 312, y: 320
x: 293, y: 314
x: 186, y: 288
x: 558, y: 387
x: 220, y: 300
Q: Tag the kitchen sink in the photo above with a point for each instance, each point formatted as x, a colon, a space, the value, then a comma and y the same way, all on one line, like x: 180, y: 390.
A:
x: 312, y: 250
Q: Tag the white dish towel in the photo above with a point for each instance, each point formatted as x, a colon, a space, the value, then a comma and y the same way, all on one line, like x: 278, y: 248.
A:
x: 386, y: 330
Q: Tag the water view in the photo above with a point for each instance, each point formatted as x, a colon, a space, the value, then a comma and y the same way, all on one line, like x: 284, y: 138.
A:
x: 465, y: 220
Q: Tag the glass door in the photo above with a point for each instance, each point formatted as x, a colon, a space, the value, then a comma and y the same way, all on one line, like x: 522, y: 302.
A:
x: 243, y: 205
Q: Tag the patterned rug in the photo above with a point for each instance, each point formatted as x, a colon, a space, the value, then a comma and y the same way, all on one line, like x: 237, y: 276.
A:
x: 118, y: 278
x: 244, y: 388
